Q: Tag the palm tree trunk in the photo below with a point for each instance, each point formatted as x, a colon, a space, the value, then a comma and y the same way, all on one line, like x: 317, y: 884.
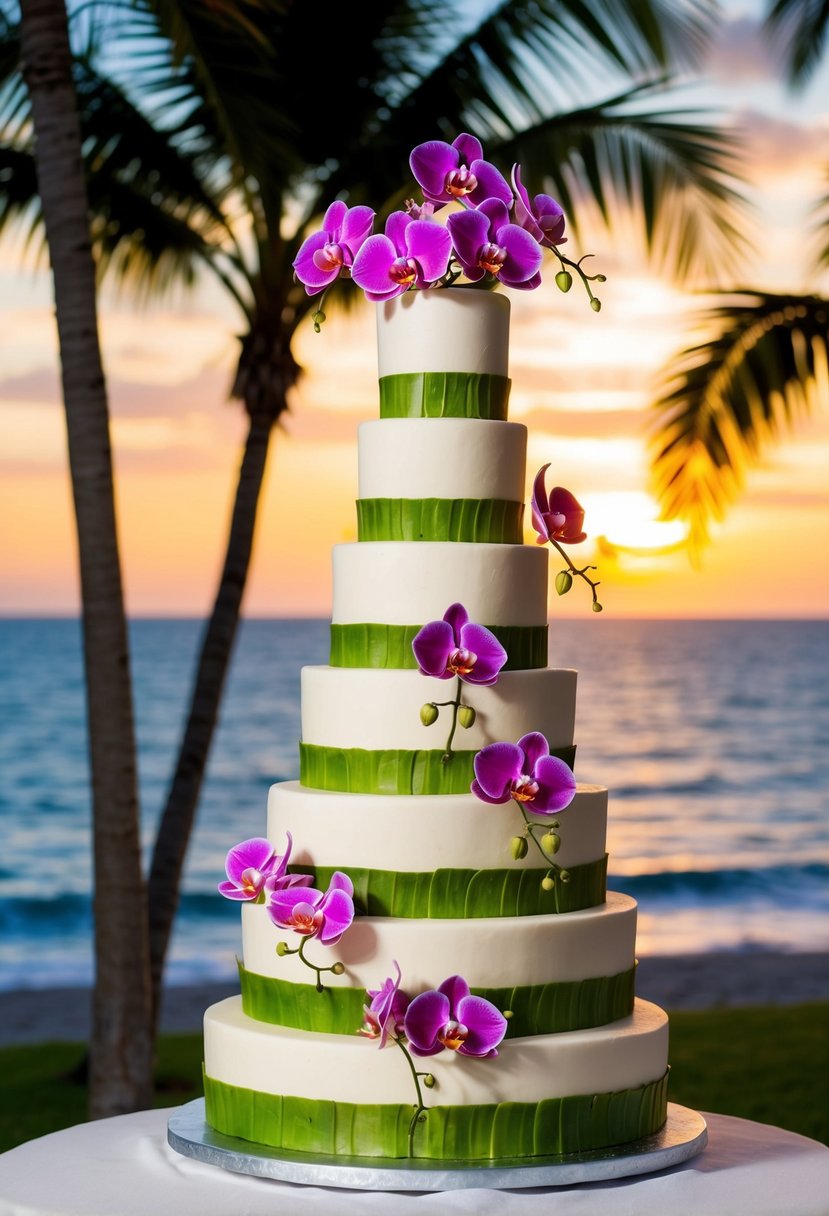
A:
x: 217, y: 645
x: 121, y: 1046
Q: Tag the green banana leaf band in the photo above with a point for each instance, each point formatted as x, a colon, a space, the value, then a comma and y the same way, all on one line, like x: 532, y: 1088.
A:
x: 496, y: 521
x: 449, y: 1133
x: 536, y: 1008
x: 392, y: 771
x: 444, y: 395
x: 370, y: 644
x: 465, y: 894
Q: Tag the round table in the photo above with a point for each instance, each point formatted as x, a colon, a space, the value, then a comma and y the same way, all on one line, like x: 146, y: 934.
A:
x: 124, y: 1167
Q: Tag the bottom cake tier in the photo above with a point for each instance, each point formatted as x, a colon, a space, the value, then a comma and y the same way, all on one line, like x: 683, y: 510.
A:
x: 331, y: 1094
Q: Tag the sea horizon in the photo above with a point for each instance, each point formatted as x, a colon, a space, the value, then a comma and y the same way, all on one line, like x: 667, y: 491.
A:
x: 708, y: 733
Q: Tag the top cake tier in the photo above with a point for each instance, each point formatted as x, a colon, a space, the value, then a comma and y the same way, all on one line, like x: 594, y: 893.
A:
x: 444, y: 354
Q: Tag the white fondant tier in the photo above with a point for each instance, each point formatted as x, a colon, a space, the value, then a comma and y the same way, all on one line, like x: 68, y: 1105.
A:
x: 398, y: 583
x: 273, y: 1059
x: 443, y: 331
x: 442, y: 458
x: 379, y: 709
x: 490, y: 953
x: 424, y: 832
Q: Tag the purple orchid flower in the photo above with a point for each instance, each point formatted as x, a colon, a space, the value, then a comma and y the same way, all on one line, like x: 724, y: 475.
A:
x: 253, y: 867
x: 325, y: 255
x: 487, y: 243
x: 543, y: 218
x: 457, y: 647
x: 385, y: 1014
x: 248, y: 865
x: 412, y: 253
x: 311, y: 913
x: 457, y: 173
x: 526, y: 772
x: 450, y: 1018
x: 558, y: 517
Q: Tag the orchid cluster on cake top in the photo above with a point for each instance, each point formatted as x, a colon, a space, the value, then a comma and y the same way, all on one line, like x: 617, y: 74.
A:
x: 498, y: 236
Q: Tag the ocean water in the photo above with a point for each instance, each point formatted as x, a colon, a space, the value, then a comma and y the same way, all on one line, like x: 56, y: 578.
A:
x: 713, y: 738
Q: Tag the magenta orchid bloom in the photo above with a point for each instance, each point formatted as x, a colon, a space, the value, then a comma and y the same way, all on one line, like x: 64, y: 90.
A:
x: 412, y: 253
x: 486, y: 242
x: 543, y: 218
x: 248, y: 865
x: 385, y: 1014
x: 253, y: 867
x: 457, y: 647
x: 325, y: 255
x: 450, y: 1018
x: 457, y: 173
x: 311, y: 913
x: 526, y: 772
x: 559, y: 517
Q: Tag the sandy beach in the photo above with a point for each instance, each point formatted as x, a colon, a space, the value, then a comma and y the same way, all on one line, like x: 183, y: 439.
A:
x: 693, y: 981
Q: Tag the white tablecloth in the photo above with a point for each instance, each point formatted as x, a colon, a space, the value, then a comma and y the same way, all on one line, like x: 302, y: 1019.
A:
x: 124, y: 1167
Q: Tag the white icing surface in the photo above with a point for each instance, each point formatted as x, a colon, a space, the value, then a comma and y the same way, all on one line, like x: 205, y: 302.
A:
x: 378, y: 708
x: 442, y: 458
x: 447, y: 330
x: 273, y: 1059
x: 488, y: 952
x: 401, y: 583
x: 424, y: 832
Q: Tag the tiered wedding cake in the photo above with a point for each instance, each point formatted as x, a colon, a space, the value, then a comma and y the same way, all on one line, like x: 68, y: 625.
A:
x: 435, y: 884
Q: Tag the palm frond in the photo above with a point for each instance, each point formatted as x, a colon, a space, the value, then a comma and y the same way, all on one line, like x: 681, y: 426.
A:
x: 726, y: 398
x: 821, y: 213
x: 802, y: 29
x: 679, y: 175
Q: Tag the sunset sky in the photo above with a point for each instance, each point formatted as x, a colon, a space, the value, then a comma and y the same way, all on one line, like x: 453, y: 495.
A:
x: 581, y: 382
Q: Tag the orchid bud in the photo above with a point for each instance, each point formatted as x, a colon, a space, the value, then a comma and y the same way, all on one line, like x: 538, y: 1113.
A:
x: 551, y: 843
x: 281, y: 949
x: 429, y: 1081
x: 508, y: 1014
x: 600, y: 278
x: 338, y: 968
x: 318, y: 318
x: 564, y: 280
x: 548, y: 883
x: 597, y: 606
x: 564, y: 581
x: 466, y: 716
x: 428, y: 713
x: 596, y: 305
x: 565, y: 875
x: 518, y: 847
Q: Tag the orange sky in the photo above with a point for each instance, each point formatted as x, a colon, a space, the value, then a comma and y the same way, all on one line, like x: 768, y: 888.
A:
x: 582, y: 383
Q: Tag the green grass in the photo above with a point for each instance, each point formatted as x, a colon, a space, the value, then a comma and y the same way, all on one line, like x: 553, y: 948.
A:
x: 768, y: 1064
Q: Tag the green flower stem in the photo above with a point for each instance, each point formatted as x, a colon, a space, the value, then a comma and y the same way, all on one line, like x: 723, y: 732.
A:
x: 580, y: 573
x: 456, y: 704
x: 337, y: 967
x: 420, y: 1109
x: 586, y: 279
x: 530, y: 832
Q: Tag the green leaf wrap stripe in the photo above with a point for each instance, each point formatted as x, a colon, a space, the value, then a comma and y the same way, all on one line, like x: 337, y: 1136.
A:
x: 371, y: 644
x: 494, y: 521
x: 466, y: 894
x: 393, y: 771
x: 536, y: 1008
x: 449, y: 1133
x: 444, y: 395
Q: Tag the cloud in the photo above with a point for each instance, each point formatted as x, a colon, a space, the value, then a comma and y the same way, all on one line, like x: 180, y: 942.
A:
x: 778, y: 145
x: 741, y: 52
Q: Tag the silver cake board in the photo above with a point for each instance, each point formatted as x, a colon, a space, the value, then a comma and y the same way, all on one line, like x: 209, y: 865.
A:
x: 683, y: 1136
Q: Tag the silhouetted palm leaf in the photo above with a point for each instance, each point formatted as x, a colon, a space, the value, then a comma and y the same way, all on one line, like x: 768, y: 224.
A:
x: 726, y: 398
x: 802, y: 26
